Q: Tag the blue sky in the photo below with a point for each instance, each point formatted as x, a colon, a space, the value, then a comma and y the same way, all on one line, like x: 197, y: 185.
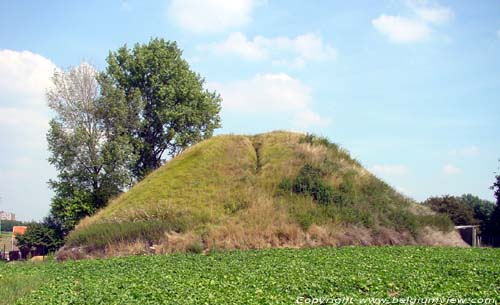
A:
x: 410, y: 88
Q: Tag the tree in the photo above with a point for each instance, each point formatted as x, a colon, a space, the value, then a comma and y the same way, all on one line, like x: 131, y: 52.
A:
x: 168, y: 108
x: 40, y: 238
x: 496, y: 188
x: 493, y: 228
x: 7, y: 225
x: 451, y: 206
x: 482, y: 209
x: 91, y: 158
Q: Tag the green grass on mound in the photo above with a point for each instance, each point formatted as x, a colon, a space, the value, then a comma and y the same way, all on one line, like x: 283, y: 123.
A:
x: 264, y: 188
x: 278, y: 276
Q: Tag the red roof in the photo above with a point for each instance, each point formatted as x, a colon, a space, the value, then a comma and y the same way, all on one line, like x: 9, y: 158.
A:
x: 18, y: 230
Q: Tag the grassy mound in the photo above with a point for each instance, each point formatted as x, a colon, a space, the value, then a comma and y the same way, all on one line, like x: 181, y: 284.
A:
x: 278, y: 189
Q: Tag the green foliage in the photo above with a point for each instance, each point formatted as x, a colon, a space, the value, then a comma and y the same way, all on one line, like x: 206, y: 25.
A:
x: 91, y: 159
x: 70, y: 205
x: 315, y: 140
x: 451, y: 206
x: 196, y: 247
x: 439, y: 221
x: 496, y: 188
x: 403, y: 220
x: 8, y: 224
x: 14, y: 285
x: 277, y: 276
x: 310, y: 182
x: 98, y: 236
x: 39, y: 237
x: 482, y: 209
x: 492, y: 233
x: 493, y: 225
x: 340, y: 152
x: 168, y: 108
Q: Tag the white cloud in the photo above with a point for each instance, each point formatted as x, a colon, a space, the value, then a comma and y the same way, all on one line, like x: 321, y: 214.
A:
x: 393, y: 170
x: 418, y: 28
x: 470, y: 151
x: 432, y: 13
x: 400, y: 29
x: 270, y: 94
x: 281, y: 50
x: 203, y: 16
x: 24, y: 116
x: 237, y: 43
x: 24, y: 77
x: 449, y: 169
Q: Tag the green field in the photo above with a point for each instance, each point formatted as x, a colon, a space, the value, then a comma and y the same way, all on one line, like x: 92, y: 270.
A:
x: 278, y: 276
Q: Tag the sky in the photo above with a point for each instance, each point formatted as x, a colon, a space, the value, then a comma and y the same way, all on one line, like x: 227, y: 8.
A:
x: 409, y: 87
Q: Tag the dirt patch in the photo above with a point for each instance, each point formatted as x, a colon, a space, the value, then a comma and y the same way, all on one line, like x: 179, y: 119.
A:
x: 433, y: 237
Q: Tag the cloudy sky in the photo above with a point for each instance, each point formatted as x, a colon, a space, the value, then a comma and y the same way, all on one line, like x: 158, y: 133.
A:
x: 410, y: 88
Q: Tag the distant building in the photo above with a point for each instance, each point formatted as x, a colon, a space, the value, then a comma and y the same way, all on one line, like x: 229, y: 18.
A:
x: 7, y: 216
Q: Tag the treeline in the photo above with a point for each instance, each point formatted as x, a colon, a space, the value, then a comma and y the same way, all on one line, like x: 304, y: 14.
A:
x: 8, y: 224
x: 471, y: 210
x: 113, y: 127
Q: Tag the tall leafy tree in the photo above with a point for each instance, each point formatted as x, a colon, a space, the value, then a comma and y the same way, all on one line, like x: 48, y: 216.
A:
x: 168, y: 107
x: 496, y: 188
x: 481, y: 208
x: 91, y: 157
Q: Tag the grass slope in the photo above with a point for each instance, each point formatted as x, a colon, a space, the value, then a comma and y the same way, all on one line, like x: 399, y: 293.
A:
x: 247, y: 192
x: 276, y: 276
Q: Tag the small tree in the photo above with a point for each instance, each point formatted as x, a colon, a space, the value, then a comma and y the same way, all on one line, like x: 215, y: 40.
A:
x: 168, y: 108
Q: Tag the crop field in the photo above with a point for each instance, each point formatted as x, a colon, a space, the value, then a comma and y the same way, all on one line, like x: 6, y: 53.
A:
x: 351, y: 275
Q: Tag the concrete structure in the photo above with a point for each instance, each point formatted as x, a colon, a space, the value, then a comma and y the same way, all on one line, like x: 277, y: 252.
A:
x: 7, y: 216
x: 470, y: 234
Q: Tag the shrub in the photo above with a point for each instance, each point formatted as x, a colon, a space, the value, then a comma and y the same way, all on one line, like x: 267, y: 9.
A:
x: 438, y: 221
x: 285, y: 186
x: 196, y: 247
x: 315, y: 140
x: 309, y: 182
x: 402, y: 220
x: 100, y: 235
